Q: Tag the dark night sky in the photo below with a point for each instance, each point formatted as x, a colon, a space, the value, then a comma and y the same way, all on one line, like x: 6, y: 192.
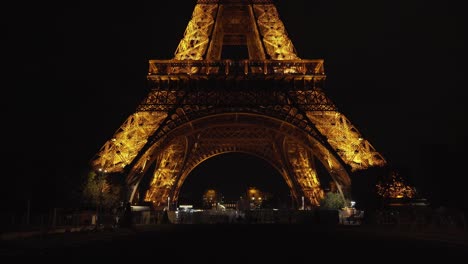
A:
x: 76, y: 71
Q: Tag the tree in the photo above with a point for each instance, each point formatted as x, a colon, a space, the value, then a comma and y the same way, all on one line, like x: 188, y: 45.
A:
x: 99, y: 192
x: 333, y: 200
x: 394, y: 187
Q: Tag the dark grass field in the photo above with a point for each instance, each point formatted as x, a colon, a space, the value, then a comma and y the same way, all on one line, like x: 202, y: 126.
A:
x: 244, y: 241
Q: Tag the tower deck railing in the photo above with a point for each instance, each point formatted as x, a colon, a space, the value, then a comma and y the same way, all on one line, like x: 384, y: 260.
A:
x: 236, y: 67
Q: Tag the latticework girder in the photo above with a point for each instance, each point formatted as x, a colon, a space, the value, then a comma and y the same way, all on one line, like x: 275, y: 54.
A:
x: 169, y: 165
x: 270, y: 104
x: 240, y: 69
x: 197, y: 33
x: 284, y: 146
x: 232, y: 101
x: 275, y: 39
x: 127, y: 141
x: 302, y: 163
x: 346, y: 140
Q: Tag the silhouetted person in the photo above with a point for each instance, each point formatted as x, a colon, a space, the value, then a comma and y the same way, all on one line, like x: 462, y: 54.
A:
x: 127, y: 219
x: 165, y: 217
x: 118, y: 213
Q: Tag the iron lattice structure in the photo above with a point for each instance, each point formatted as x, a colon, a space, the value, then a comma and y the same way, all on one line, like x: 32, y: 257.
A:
x: 270, y: 104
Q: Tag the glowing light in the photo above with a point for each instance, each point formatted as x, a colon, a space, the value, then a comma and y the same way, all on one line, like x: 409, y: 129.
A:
x: 346, y: 139
x: 394, y: 187
x: 130, y: 139
x: 127, y: 141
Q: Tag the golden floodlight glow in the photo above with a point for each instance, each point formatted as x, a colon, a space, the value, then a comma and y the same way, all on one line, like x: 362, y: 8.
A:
x: 122, y: 148
x: 346, y: 139
x: 395, y: 188
x: 269, y: 104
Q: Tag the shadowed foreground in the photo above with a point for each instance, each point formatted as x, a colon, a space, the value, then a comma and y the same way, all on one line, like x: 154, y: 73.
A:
x: 233, y: 241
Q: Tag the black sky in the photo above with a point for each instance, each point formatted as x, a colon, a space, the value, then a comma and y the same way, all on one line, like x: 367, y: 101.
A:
x: 76, y: 71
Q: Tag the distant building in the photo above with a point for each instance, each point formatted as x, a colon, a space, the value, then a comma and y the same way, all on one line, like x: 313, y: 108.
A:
x: 230, y: 204
x: 255, y: 198
x: 211, y: 198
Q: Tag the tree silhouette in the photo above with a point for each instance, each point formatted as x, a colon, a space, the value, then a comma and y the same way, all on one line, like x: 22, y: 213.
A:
x: 333, y: 200
x: 99, y: 192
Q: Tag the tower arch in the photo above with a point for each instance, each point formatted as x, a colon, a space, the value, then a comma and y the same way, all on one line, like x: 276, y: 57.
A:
x: 289, y: 149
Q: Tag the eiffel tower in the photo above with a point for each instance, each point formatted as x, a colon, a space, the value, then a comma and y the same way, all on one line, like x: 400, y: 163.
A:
x: 235, y: 84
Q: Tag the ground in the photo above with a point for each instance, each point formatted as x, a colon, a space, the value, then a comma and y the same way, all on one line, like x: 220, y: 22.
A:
x: 241, y: 241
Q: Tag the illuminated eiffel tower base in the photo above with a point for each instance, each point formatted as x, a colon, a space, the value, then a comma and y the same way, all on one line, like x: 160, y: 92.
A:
x: 235, y: 84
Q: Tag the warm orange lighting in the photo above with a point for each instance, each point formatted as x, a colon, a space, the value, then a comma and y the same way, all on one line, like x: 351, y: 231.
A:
x: 296, y: 127
x: 395, y: 188
x: 344, y: 137
x: 127, y: 141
